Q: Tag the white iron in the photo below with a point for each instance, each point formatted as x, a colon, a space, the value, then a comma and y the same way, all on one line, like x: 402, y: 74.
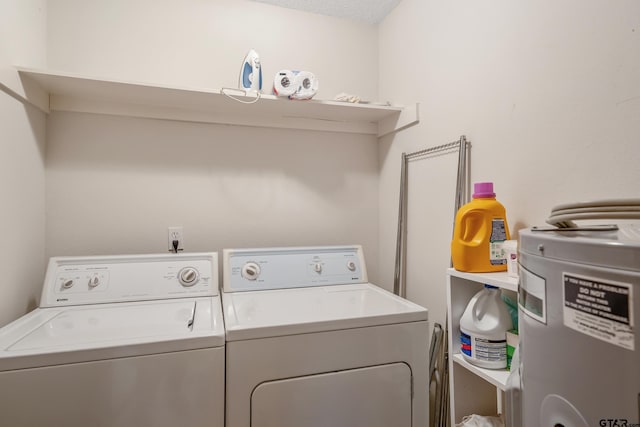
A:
x: 251, y: 72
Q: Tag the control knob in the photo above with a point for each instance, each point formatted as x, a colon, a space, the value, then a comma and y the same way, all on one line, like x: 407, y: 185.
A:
x: 188, y: 276
x: 67, y: 284
x: 93, y: 282
x: 351, y: 265
x: 251, y: 271
x: 317, y: 268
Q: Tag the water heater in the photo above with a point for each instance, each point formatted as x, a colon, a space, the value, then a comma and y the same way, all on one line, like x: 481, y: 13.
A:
x: 579, y: 296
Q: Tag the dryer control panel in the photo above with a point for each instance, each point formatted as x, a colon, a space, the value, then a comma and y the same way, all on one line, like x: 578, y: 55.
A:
x: 107, y: 279
x: 296, y: 267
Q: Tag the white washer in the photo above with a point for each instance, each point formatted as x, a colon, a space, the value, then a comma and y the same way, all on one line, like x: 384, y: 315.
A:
x: 311, y: 343
x: 118, y: 341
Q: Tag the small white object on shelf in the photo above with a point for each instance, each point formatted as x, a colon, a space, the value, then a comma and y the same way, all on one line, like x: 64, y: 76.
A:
x: 510, y: 248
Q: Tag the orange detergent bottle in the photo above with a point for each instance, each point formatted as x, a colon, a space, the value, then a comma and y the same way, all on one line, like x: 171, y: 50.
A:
x: 480, y: 228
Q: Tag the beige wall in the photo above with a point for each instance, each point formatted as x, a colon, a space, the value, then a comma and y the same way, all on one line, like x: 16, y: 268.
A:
x: 23, y: 27
x: 194, y: 43
x: 115, y: 184
x: 22, y: 141
x: 548, y: 93
x: 22, y: 144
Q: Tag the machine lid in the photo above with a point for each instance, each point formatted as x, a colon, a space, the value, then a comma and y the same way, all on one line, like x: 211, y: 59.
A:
x: 52, y: 336
x: 270, y: 313
x: 608, y: 248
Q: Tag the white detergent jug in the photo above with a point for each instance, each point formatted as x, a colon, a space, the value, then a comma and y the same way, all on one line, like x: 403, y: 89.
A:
x: 483, y: 328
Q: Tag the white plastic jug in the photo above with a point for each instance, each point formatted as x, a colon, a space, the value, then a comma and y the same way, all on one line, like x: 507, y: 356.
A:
x: 483, y: 328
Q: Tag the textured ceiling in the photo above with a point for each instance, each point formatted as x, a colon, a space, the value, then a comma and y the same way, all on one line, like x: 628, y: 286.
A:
x: 370, y: 11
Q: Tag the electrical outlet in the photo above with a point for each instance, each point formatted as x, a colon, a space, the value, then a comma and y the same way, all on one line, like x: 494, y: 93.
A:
x: 176, y: 233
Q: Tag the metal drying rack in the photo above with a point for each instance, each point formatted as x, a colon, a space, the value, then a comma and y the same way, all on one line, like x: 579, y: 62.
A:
x: 438, y: 354
x: 399, y: 277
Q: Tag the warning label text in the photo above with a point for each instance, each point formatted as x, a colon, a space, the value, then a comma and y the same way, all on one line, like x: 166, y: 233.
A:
x: 599, y: 308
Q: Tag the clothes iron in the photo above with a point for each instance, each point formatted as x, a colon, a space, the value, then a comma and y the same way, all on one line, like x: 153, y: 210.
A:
x: 251, y: 72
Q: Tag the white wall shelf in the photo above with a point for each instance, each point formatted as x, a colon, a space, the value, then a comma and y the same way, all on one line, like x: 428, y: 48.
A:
x: 474, y: 390
x: 497, y: 377
x: 500, y: 279
x: 51, y: 91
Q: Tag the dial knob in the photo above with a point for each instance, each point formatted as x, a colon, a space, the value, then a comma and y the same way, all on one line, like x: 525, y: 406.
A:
x: 251, y: 271
x: 351, y: 266
x: 188, y: 276
x: 94, y: 281
x: 317, y: 268
x: 67, y: 284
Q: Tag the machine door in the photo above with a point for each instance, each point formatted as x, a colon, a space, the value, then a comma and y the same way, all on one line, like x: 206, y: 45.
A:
x: 378, y: 396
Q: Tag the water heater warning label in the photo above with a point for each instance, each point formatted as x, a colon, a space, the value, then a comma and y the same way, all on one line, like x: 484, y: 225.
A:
x: 599, y: 308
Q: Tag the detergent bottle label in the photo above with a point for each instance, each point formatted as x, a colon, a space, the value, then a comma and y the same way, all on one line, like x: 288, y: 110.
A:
x: 498, y: 235
x: 481, y: 349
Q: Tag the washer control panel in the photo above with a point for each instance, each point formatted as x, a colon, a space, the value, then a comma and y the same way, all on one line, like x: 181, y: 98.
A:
x: 94, y: 280
x: 283, y: 268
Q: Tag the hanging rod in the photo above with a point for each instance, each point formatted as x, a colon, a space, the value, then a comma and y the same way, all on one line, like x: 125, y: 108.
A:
x: 454, y: 144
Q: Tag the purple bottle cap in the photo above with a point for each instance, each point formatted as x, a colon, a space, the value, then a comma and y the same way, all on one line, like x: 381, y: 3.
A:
x: 483, y: 190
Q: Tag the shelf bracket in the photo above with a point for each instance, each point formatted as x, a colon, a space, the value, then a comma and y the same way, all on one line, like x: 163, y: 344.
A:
x: 408, y: 117
x: 24, y: 89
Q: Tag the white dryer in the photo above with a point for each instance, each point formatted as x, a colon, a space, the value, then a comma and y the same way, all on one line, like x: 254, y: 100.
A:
x: 118, y: 341
x: 311, y: 343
